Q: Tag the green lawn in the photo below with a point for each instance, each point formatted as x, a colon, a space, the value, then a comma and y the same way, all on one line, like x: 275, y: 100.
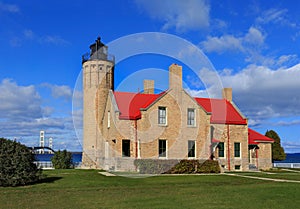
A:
x: 275, y: 175
x: 89, y: 189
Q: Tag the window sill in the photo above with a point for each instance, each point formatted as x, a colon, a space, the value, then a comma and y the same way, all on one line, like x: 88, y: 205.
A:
x: 163, y: 125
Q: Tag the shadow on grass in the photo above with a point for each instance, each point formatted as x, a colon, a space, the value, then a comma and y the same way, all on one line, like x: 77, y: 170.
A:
x: 50, y: 179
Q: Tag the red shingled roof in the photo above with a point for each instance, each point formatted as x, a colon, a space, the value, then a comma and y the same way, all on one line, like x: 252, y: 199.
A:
x: 223, y: 112
x: 255, y: 137
x: 130, y: 104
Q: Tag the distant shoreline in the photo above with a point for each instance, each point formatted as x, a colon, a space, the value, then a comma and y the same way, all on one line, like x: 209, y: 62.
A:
x: 290, y: 158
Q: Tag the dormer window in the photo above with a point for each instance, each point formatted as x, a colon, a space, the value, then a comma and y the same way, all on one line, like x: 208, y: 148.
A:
x: 162, y: 115
x: 191, y: 117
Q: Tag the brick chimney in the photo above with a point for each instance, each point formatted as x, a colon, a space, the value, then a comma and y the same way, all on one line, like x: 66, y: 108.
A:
x: 175, y: 77
x: 148, y: 86
x: 227, y: 94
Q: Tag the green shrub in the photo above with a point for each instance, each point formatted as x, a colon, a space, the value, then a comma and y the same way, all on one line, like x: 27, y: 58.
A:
x: 62, y: 160
x: 185, y: 166
x: 17, y: 164
x: 209, y: 166
x: 155, y: 166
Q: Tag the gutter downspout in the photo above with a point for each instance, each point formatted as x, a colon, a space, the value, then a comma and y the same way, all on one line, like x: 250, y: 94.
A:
x: 256, y: 153
x: 136, y: 140
x: 228, y: 147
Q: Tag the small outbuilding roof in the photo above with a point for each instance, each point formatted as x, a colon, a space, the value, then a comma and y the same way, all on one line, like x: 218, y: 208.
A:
x: 255, y: 138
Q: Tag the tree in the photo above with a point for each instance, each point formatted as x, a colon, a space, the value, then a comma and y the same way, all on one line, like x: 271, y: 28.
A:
x: 62, y: 160
x: 277, y: 149
x: 17, y: 164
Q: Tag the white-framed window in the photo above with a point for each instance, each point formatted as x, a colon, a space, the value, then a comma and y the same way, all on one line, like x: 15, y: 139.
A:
x: 162, y: 115
x: 221, y: 149
x: 237, y: 167
x: 139, y: 148
x: 237, y: 149
x: 191, y: 149
x: 162, y: 148
x: 191, y: 117
x: 125, y: 148
x: 108, y: 119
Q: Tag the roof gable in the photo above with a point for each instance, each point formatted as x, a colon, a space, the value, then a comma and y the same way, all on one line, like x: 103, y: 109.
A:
x: 223, y: 112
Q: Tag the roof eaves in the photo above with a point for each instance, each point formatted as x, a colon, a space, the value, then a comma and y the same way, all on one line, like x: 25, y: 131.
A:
x: 238, y: 110
x: 228, y: 121
x: 264, y: 141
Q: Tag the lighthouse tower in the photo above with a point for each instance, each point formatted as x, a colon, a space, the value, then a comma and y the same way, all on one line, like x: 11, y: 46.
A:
x: 98, y: 79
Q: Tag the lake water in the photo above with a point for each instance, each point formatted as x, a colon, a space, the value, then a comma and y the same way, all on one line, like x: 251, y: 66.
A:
x: 291, y: 158
x: 76, y: 157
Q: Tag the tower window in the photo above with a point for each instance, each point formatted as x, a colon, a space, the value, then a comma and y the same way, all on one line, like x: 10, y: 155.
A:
x: 108, y: 119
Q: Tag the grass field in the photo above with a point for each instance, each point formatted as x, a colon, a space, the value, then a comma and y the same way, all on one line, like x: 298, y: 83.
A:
x: 89, y: 189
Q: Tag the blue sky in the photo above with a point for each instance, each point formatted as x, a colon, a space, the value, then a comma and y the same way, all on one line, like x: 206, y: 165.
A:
x: 253, y: 46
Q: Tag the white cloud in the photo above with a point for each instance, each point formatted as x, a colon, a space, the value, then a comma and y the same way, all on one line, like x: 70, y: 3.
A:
x: 287, y: 123
x: 61, y: 92
x: 254, y: 36
x: 247, y: 43
x: 12, y: 8
x: 23, y: 115
x: 291, y: 146
x: 262, y: 93
x: 29, y: 35
x: 57, y: 91
x: 286, y: 59
x: 275, y: 16
x: 182, y: 15
x: 50, y: 39
x: 222, y: 44
x: 19, y: 102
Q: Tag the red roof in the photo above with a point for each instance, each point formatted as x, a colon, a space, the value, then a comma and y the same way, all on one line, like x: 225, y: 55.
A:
x: 255, y: 137
x: 223, y: 112
x: 130, y: 104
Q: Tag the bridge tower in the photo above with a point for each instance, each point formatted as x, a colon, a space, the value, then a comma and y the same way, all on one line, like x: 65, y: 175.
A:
x: 42, y: 142
x: 50, y: 144
x: 98, y: 79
